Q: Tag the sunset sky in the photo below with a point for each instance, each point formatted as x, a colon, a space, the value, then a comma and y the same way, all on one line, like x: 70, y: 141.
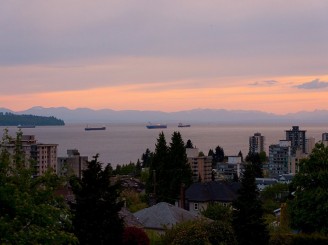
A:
x: 165, y: 55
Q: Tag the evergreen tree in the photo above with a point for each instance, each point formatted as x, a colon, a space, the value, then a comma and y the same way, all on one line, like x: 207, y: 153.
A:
x: 308, y: 209
x: 178, y: 167
x: 256, y: 161
x: 169, y: 169
x: 248, y: 219
x: 146, y: 158
x: 189, y: 144
x: 157, y: 175
x: 96, y: 219
x: 218, y: 155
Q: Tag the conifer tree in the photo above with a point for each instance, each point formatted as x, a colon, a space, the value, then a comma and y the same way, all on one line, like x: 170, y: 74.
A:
x: 248, y: 219
x: 96, y: 219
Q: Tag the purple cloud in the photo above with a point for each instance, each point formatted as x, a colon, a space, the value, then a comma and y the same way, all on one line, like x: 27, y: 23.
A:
x: 315, y: 84
x: 264, y: 83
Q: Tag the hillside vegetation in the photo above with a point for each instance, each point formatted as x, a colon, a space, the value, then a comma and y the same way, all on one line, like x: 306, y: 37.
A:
x: 10, y: 119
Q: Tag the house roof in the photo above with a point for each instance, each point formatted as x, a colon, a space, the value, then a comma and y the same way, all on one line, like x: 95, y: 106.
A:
x: 129, y: 219
x: 218, y: 191
x: 163, y: 215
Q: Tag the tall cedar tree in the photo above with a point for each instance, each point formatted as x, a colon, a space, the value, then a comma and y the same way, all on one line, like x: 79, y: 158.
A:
x: 248, y: 219
x: 30, y: 211
x: 157, y: 173
x: 178, y: 168
x: 169, y: 169
x: 308, y: 209
x: 96, y: 219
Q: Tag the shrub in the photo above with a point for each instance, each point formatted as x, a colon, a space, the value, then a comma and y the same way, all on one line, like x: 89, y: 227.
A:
x: 135, y: 236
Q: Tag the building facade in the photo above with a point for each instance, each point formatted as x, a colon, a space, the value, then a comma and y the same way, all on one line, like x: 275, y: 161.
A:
x: 256, y: 143
x: 279, y: 158
x: 201, y: 165
x: 297, y: 139
x: 74, y: 163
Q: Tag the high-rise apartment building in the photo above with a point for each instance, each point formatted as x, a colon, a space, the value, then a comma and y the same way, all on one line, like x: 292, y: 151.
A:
x: 256, y: 143
x: 42, y: 156
x: 279, y: 158
x: 201, y: 165
x: 297, y: 139
x: 74, y: 163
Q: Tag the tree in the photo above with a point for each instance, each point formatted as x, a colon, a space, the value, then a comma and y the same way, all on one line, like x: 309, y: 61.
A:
x: 146, y: 158
x: 30, y: 211
x: 218, y: 155
x: 96, y: 219
x: 169, y: 169
x: 308, y: 209
x: 135, y: 236
x: 248, y: 222
x: 178, y: 167
x: 189, y: 144
x: 216, y: 211
x: 256, y: 161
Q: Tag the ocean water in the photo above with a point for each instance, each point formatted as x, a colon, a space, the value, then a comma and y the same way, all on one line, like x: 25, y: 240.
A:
x: 124, y: 143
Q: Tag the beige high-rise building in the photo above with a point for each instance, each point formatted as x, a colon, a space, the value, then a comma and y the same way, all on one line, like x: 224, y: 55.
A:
x: 74, y: 163
x: 42, y: 156
x: 201, y: 165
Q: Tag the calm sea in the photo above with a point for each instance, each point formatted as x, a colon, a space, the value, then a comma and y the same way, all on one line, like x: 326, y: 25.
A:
x: 122, y: 143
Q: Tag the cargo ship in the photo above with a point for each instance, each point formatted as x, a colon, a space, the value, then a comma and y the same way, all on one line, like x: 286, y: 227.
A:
x: 151, y: 126
x: 181, y: 125
x: 94, y: 128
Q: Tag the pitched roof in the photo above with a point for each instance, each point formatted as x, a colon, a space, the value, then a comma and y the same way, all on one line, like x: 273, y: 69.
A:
x: 163, y: 215
x: 212, y: 191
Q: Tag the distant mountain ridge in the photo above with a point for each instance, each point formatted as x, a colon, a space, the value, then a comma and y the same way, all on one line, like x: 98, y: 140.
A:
x: 236, y: 117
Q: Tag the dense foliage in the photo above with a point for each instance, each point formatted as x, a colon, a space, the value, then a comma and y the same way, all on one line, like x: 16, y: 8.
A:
x: 10, y: 119
x: 96, y: 219
x: 199, y: 232
x: 248, y: 219
x: 308, y: 210
x: 30, y: 212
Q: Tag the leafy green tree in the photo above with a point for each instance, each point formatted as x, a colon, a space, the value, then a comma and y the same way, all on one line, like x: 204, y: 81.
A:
x: 248, y: 222
x: 217, y: 211
x: 199, y: 232
x: 30, y: 211
x: 308, y: 210
x: 96, y: 219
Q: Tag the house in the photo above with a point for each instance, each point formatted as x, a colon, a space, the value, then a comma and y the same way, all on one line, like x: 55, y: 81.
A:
x: 163, y: 215
x: 199, y: 195
x: 264, y: 182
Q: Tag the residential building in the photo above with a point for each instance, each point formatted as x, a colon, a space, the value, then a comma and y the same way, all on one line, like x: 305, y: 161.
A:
x: 325, y: 139
x: 163, y: 215
x: 231, y: 169
x: 256, y: 143
x: 43, y: 156
x: 294, y: 162
x: 309, y: 145
x: 199, y: 195
x: 74, y: 163
x: 201, y: 165
x: 262, y: 183
x: 279, y: 158
x: 297, y: 139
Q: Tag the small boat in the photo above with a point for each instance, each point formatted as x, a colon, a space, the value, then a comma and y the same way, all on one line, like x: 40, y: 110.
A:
x: 25, y: 126
x: 151, y: 126
x: 181, y: 125
x: 94, y: 128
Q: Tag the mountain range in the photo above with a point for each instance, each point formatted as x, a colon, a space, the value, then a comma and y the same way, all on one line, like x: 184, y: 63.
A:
x: 236, y: 117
